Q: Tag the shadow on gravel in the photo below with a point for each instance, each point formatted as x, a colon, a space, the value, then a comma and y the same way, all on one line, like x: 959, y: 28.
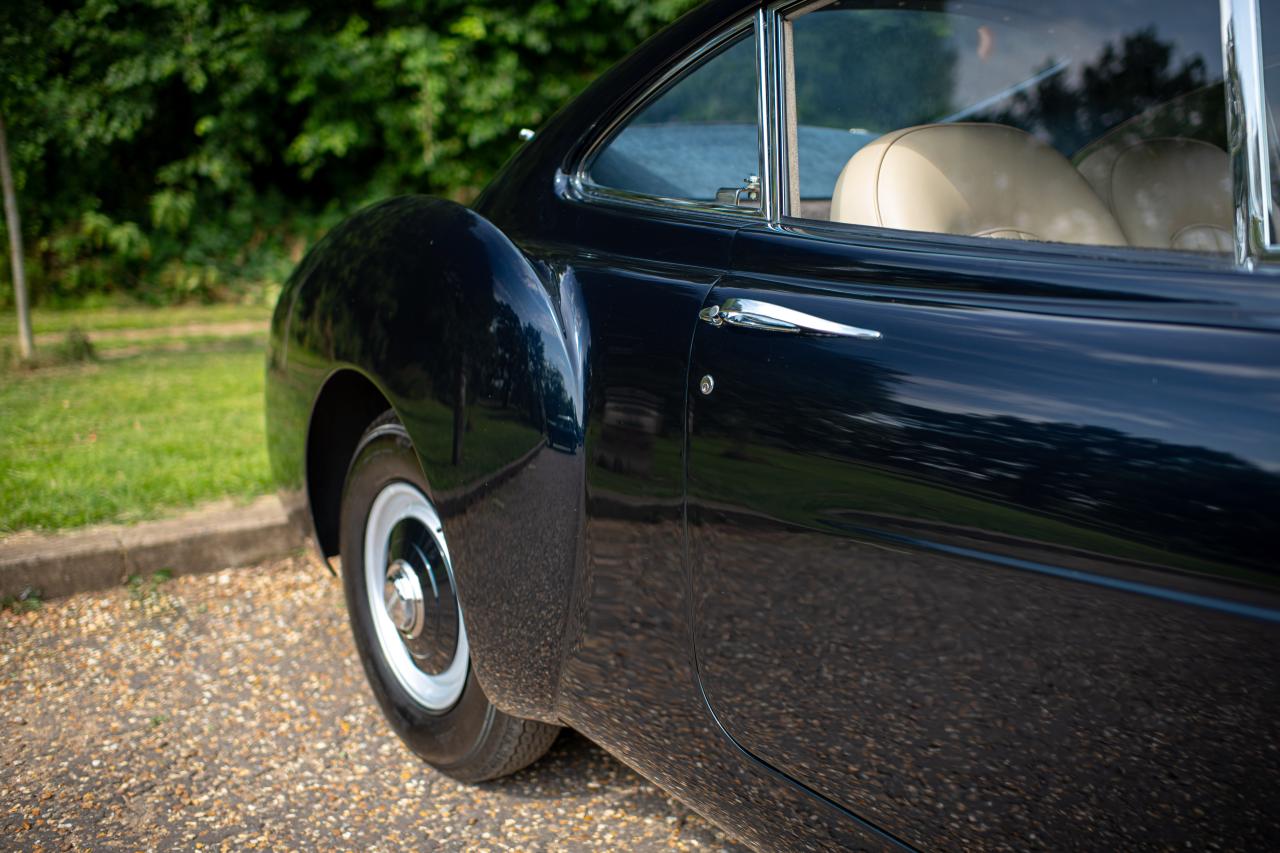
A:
x: 576, y: 769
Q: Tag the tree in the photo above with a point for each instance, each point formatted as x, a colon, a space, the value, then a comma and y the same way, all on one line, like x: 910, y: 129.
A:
x: 22, y: 64
x: 1128, y: 78
x: 26, y: 346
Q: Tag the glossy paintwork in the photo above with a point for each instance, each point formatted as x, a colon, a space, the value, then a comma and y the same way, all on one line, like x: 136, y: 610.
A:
x: 1008, y: 572
x: 434, y: 305
x: 878, y: 626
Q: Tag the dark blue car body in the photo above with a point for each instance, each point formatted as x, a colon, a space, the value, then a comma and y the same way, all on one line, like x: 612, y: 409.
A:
x: 1007, y: 577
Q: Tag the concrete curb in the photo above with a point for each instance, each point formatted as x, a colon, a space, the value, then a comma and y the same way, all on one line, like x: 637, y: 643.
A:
x: 205, y: 540
x: 214, y: 537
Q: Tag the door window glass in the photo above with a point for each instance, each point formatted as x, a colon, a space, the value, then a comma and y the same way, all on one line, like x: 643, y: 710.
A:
x: 1078, y: 121
x: 697, y: 141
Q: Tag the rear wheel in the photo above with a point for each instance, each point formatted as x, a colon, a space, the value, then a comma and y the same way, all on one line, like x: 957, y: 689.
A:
x: 407, y: 621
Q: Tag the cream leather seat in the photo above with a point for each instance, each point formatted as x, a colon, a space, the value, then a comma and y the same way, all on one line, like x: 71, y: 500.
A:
x: 984, y: 180
x: 1165, y: 193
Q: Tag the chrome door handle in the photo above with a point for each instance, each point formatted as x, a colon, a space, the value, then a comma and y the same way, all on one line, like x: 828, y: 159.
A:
x: 753, y: 314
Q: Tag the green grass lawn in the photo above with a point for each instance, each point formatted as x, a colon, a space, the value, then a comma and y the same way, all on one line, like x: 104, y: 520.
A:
x: 132, y: 438
x: 160, y: 423
x: 112, y: 319
x: 108, y: 345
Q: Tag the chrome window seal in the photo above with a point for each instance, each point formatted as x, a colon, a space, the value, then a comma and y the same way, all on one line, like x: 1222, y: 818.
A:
x: 767, y: 90
x: 775, y: 74
x: 584, y: 188
x: 1247, y: 130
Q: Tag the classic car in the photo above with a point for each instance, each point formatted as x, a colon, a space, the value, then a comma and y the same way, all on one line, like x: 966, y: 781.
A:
x: 922, y: 365
x: 562, y: 433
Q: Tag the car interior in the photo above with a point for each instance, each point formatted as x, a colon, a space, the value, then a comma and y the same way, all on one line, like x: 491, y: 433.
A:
x: 991, y: 180
x: 1159, y: 177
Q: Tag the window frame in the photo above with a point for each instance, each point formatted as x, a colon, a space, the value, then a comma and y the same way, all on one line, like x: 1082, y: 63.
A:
x: 1247, y: 130
x: 1246, y: 134
x: 587, y: 189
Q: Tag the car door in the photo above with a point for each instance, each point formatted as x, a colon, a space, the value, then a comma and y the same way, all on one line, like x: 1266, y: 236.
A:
x: 982, y: 533
x: 640, y: 230
x: 639, y: 234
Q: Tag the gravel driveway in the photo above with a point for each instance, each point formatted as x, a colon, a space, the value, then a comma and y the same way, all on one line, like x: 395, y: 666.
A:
x: 229, y: 711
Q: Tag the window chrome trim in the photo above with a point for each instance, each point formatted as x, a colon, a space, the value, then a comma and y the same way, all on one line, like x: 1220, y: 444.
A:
x: 581, y: 183
x: 775, y: 16
x: 1247, y: 130
x: 767, y: 92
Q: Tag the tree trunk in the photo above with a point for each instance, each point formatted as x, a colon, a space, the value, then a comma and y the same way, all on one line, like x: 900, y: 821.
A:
x: 13, y: 224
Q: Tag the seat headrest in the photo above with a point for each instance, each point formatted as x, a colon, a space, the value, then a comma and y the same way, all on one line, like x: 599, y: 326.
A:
x: 985, y: 180
x: 1173, y: 194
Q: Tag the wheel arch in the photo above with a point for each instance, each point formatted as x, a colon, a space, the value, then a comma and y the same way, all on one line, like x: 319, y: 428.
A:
x: 347, y: 403
x: 405, y: 306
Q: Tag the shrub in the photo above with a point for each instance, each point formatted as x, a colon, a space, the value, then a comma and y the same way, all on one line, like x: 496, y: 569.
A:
x: 186, y: 150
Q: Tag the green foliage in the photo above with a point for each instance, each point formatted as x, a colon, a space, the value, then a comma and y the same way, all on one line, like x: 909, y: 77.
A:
x: 27, y: 601
x: 77, y: 347
x: 146, y: 593
x: 188, y: 150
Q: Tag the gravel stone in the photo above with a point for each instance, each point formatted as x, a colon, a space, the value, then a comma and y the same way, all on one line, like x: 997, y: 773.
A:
x: 229, y: 712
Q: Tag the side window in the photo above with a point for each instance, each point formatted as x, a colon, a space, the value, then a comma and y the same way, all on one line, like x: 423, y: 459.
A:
x: 1069, y: 120
x: 697, y: 140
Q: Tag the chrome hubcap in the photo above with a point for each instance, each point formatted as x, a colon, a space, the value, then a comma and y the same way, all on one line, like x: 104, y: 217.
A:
x: 403, y: 596
x: 415, y: 611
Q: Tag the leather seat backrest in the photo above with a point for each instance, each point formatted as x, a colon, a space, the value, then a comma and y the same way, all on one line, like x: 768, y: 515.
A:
x: 1166, y: 193
x: 985, y: 180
